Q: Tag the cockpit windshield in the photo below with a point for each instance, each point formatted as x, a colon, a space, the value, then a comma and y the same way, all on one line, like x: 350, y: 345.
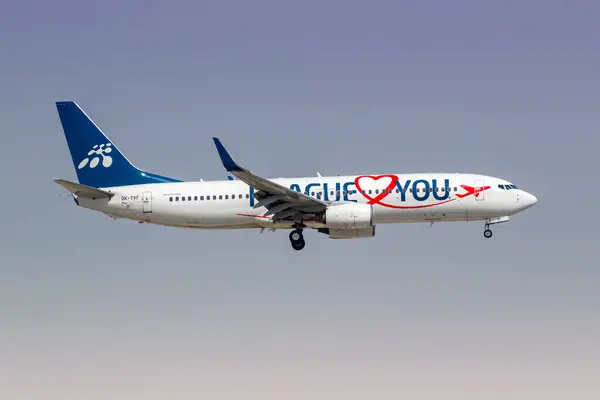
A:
x: 508, y: 187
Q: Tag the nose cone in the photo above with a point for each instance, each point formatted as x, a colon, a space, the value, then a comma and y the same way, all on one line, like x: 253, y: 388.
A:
x: 526, y: 200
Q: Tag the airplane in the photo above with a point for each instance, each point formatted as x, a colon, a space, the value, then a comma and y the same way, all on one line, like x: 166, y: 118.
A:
x: 341, y: 207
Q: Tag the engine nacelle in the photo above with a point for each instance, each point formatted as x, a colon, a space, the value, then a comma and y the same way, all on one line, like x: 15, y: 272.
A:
x: 351, y: 233
x: 348, y: 216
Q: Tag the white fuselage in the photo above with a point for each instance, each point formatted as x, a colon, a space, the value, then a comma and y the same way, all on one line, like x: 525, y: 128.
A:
x: 397, y: 198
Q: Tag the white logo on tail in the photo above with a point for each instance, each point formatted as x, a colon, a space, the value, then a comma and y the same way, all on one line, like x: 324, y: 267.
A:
x: 98, y: 150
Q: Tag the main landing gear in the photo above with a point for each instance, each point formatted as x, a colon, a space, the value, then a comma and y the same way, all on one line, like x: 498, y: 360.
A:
x: 487, y: 233
x: 297, y: 239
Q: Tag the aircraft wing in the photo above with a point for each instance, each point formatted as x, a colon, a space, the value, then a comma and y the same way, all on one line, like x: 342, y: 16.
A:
x: 280, y: 201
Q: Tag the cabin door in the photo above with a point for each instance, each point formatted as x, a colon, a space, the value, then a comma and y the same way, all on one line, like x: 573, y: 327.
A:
x: 147, y: 202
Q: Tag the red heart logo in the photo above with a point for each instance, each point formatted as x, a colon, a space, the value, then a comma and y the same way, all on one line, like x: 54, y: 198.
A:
x: 383, y: 194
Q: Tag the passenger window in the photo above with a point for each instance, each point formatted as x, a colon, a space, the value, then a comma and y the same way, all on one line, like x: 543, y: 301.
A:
x: 226, y: 197
x: 201, y: 198
x: 170, y: 199
x: 247, y: 196
x: 214, y: 196
x: 195, y: 198
x: 220, y: 197
x: 189, y: 198
x: 455, y: 189
x: 233, y: 197
x: 182, y: 198
x: 177, y: 198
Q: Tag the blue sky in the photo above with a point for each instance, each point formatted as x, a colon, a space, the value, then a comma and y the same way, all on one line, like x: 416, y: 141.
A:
x: 97, y: 308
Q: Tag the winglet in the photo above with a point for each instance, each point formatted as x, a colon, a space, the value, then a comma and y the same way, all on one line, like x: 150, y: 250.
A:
x: 226, y: 159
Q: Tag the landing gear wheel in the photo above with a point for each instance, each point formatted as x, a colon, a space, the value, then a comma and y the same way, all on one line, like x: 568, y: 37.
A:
x: 298, y: 245
x: 296, y: 235
x: 297, y: 239
x: 487, y: 233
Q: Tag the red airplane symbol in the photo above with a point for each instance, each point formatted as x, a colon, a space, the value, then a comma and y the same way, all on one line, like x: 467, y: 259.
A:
x: 472, y: 190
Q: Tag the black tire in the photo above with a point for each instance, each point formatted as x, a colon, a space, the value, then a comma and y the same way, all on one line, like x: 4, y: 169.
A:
x: 487, y: 233
x: 296, y: 236
x: 299, y: 245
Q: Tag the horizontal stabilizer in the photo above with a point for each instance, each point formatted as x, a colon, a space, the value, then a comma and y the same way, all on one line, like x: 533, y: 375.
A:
x: 80, y: 190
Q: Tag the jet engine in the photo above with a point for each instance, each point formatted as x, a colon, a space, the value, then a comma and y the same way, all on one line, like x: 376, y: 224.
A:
x: 348, y: 216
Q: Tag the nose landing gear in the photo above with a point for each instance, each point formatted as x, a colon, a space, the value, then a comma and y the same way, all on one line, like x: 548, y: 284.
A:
x: 297, y: 239
x: 487, y: 233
